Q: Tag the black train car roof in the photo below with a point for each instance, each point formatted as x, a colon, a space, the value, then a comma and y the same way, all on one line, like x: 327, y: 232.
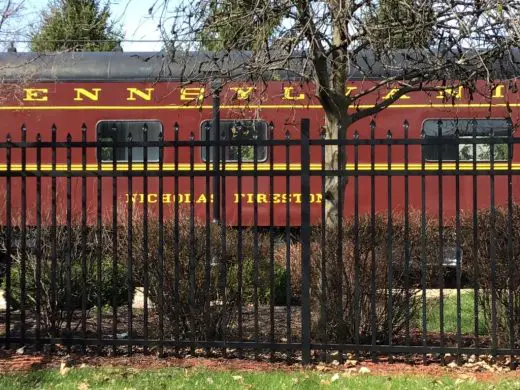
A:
x: 204, y: 66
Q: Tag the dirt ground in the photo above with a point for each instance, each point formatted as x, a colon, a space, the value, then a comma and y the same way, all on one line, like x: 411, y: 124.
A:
x: 14, y: 362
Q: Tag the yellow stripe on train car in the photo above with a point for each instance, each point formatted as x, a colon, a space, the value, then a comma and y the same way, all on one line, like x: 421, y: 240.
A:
x: 107, y: 167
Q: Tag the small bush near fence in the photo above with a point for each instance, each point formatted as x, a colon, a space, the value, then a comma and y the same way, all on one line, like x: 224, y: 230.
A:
x: 350, y: 293
x: 76, y: 286
x: 496, y: 276
x: 200, y: 278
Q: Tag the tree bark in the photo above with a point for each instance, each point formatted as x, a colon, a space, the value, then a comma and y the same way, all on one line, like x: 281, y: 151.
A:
x: 335, y: 105
x: 335, y: 159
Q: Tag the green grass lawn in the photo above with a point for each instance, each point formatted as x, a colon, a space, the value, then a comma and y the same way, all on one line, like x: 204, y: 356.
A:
x: 174, y: 378
x: 450, y: 314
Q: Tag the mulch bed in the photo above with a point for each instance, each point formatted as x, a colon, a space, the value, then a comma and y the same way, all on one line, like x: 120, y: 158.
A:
x: 248, y: 323
x: 12, y: 362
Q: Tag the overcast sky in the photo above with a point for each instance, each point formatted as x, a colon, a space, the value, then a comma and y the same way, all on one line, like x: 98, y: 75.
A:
x: 131, y: 15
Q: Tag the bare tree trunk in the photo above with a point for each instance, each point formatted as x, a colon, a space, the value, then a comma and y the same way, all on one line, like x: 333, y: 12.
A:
x: 335, y: 159
x: 335, y: 105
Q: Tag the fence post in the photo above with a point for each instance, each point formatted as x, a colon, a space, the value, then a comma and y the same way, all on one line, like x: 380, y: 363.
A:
x: 216, y: 152
x: 305, y: 241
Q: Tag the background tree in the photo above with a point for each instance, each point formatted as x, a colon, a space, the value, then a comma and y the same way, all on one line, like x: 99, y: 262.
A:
x: 400, y: 24
x: 76, y: 25
x: 11, y: 21
x: 249, y: 34
x: 323, y: 42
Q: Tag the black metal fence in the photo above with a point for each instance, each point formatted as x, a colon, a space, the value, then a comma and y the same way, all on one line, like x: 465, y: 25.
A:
x: 422, y: 262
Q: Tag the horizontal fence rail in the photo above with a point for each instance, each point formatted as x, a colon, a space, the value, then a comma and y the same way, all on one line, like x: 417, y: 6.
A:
x: 262, y: 241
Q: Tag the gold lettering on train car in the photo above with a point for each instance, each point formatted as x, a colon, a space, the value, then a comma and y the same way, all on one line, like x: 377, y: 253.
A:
x: 93, y: 94
x: 261, y: 198
x: 167, y: 198
x: 242, y: 93
x: 35, y: 94
x: 190, y: 94
x: 392, y: 92
x: 348, y: 90
x: 498, y: 92
x: 316, y: 198
x: 288, y: 94
x: 135, y: 198
x: 145, y: 95
x: 202, y: 199
x: 453, y: 92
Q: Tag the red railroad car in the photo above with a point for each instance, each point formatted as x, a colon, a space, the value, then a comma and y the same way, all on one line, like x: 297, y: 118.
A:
x: 126, y: 91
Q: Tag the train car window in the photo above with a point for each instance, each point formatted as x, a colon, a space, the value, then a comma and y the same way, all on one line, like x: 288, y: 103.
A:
x: 229, y: 130
x: 124, y: 128
x: 465, y: 127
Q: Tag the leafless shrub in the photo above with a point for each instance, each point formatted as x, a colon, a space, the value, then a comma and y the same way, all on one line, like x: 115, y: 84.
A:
x: 345, y: 283
x: 199, y: 277
x: 494, y: 268
x: 63, y: 270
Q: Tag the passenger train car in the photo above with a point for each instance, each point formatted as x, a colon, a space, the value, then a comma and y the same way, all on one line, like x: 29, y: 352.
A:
x: 126, y: 91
